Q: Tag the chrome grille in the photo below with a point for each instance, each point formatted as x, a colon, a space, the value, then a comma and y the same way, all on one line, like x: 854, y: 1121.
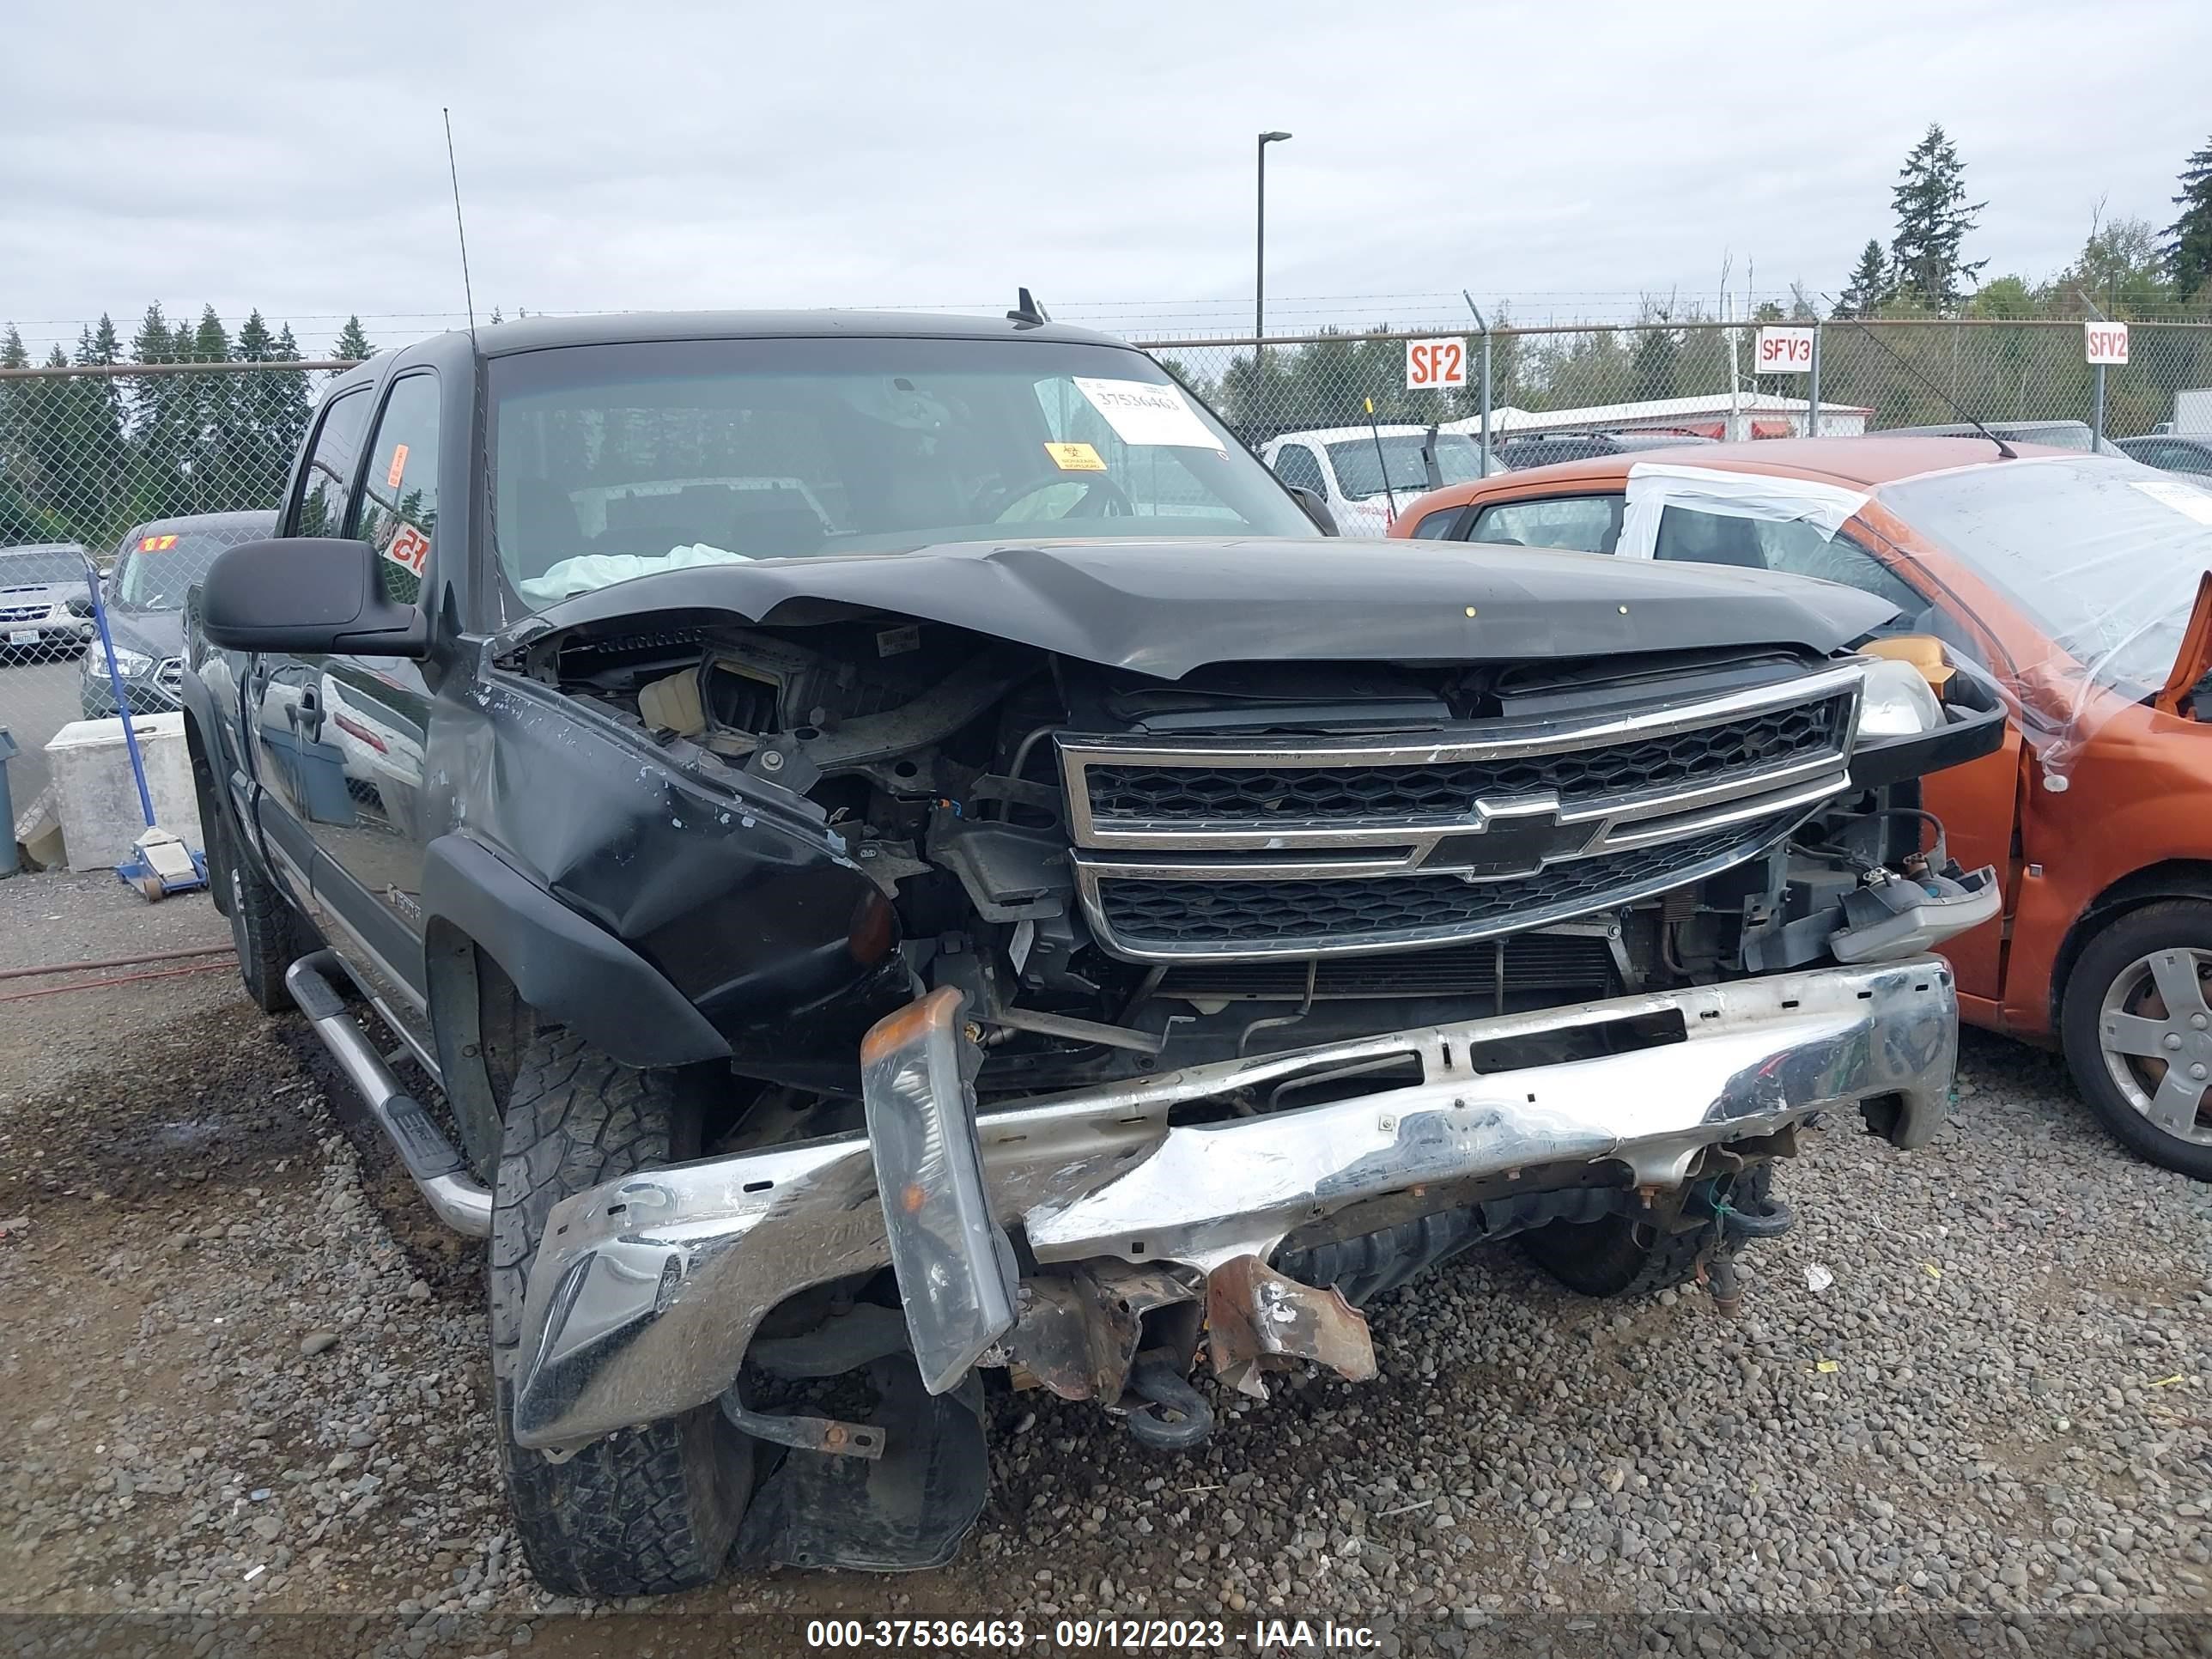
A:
x: 1225, y: 850
x: 19, y: 613
x: 1309, y: 917
x: 1126, y: 794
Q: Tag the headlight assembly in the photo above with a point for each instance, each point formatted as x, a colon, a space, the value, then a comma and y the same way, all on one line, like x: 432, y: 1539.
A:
x: 1898, y: 701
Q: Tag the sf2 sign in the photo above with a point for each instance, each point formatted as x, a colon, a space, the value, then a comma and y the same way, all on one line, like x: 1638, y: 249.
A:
x: 2107, y: 343
x: 1784, y: 351
x: 1431, y: 365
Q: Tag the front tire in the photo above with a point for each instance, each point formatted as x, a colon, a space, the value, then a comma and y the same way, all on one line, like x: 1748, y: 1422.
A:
x: 649, y: 1509
x: 2137, y: 1024
x: 268, y: 934
x: 1622, y: 1255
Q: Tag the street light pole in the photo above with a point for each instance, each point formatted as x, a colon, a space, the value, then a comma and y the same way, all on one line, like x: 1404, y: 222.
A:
x: 1260, y: 269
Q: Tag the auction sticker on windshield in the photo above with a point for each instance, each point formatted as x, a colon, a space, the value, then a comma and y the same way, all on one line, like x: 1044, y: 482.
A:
x: 1143, y: 414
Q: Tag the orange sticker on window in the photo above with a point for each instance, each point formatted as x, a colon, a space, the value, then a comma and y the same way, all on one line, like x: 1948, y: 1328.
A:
x: 156, y: 543
x: 398, y: 467
x: 1075, y: 458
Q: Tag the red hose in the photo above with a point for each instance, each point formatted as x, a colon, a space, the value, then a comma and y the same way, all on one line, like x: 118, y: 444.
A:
x: 113, y: 961
x: 118, y: 979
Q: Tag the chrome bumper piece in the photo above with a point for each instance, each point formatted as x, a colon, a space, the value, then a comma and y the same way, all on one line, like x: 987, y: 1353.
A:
x: 648, y: 1289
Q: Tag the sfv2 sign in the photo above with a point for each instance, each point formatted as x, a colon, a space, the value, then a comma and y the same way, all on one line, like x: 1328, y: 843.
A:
x: 1784, y: 351
x: 2106, y: 342
x: 1431, y: 365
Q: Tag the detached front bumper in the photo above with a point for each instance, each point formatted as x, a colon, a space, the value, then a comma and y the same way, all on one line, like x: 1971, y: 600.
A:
x: 649, y: 1289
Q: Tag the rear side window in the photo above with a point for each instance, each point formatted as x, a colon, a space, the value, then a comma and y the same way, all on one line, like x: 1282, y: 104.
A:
x: 1584, y: 524
x: 1295, y: 465
x: 1437, y: 526
x: 399, y: 492
x: 321, y: 509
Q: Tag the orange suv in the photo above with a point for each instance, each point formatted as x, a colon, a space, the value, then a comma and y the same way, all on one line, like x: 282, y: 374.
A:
x: 2078, y: 588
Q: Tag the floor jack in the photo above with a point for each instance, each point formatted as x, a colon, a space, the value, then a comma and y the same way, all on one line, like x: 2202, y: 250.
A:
x: 160, y: 864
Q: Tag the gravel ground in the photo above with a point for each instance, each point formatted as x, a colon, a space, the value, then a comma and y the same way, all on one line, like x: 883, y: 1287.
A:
x: 242, y: 1378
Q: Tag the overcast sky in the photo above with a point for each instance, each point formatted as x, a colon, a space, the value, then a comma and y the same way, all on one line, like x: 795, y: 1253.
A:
x: 937, y: 152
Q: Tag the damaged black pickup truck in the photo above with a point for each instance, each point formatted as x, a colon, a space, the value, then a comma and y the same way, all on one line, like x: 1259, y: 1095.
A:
x: 909, y: 857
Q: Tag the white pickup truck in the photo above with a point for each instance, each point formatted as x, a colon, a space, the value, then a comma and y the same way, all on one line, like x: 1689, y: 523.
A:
x: 1346, y: 467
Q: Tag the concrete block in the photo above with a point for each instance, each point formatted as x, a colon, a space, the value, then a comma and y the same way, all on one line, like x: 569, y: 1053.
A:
x: 98, y: 801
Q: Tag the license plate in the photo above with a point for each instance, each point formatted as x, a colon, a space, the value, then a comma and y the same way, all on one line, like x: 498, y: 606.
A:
x: 23, y: 637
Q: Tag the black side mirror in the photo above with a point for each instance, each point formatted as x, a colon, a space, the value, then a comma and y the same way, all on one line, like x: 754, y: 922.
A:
x: 308, y: 595
x: 1316, y: 508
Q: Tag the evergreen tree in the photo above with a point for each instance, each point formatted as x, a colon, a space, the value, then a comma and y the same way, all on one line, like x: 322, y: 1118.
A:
x: 1932, y: 219
x: 98, y: 407
x: 263, y: 404
x: 352, y: 343
x: 2189, y: 239
x: 292, y: 404
x: 19, y: 518
x: 219, y: 449
x: 1652, y: 365
x: 1867, y: 289
x: 160, y: 410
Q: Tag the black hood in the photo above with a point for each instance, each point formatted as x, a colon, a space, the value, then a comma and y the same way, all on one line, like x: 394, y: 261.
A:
x: 1165, y: 607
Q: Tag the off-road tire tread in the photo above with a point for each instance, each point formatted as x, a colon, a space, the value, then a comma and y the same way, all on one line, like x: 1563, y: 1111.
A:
x: 2166, y: 923
x: 1616, y: 1258
x: 266, y: 932
x: 650, y: 1509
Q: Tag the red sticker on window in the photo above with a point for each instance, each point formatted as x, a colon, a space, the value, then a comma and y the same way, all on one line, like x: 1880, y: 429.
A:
x: 411, y: 548
x: 398, y: 467
x: 156, y: 543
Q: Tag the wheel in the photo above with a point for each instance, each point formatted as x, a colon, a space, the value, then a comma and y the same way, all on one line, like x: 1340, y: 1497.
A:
x: 2136, y: 1022
x: 649, y: 1509
x: 266, y: 932
x: 1621, y: 1255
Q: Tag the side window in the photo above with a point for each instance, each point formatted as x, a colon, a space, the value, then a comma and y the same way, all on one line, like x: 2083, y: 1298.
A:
x: 1437, y: 526
x: 321, y: 507
x: 1838, y: 559
x: 1295, y: 465
x: 1585, y: 524
x: 1800, y: 549
x: 399, y: 495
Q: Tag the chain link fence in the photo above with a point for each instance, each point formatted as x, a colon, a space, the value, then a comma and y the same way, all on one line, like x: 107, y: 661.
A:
x: 118, y: 485
x: 1699, y: 380
x: 109, y: 472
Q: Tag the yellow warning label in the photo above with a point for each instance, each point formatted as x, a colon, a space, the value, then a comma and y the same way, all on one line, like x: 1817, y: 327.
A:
x: 1075, y: 458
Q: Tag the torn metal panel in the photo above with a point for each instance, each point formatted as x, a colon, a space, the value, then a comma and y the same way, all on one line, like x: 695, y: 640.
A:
x: 1077, y: 1335
x: 1255, y: 1314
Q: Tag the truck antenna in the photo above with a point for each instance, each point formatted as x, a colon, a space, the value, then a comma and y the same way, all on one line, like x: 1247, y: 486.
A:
x: 468, y: 293
x: 2004, y: 449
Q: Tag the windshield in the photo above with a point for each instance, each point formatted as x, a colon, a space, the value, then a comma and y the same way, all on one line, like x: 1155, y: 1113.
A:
x: 613, y: 461
x: 34, y: 566
x: 156, y: 566
x: 2104, y: 555
x: 1359, y: 470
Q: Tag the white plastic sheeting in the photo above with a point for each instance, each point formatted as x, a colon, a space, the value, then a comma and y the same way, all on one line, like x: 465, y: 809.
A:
x: 1655, y: 486
x: 2104, y: 555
